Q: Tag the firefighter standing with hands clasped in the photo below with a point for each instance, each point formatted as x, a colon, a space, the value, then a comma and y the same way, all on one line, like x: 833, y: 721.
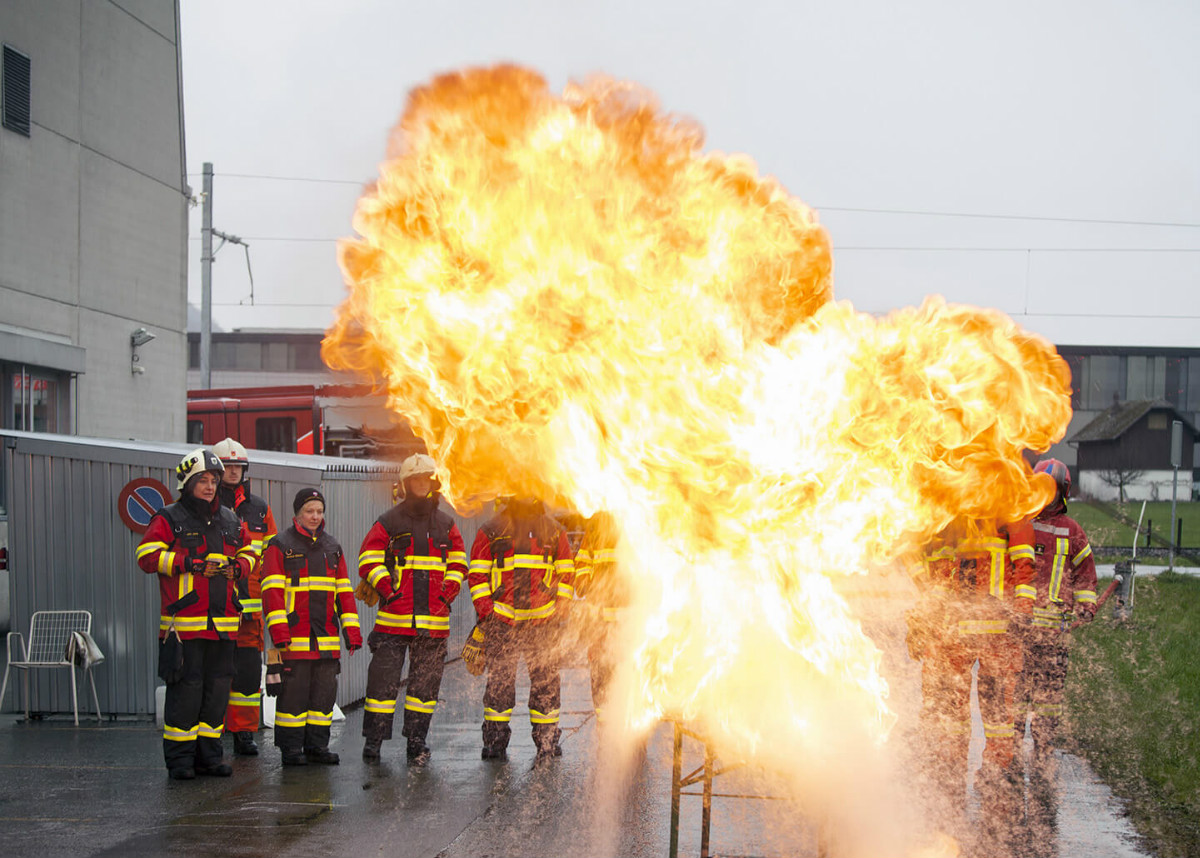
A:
x: 522, y: 579
x: 1065, y: 591
x: 306, y: 595
x: 412, y: 561
x: 199, y: 550
x: 242, y: 717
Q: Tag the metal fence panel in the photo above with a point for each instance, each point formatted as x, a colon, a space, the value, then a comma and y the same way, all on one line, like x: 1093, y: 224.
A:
x: 69, y: 549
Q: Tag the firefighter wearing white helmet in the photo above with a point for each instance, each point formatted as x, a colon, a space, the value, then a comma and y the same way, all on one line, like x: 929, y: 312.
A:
x: 245, y: 700
x: 198, y: 550
x: 413, y: 561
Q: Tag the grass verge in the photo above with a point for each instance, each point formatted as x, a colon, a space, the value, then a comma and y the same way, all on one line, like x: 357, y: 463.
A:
x: 1133, y: 709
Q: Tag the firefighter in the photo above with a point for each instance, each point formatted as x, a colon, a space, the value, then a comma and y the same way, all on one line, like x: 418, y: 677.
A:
x: 307, y: 595
x: 604, y: 594
x: 1065, y: 592
x: 975, y: 595
x: 522, y: 580
x: 242, y: 717
x: 199, y: 551
x: 414, y: 559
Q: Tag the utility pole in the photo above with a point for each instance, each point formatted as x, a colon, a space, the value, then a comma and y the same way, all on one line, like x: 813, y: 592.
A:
x: 206, y: 260
x: 1176, y: 461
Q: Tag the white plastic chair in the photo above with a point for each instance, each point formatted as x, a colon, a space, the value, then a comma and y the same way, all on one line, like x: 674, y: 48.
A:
x: 49, y: 636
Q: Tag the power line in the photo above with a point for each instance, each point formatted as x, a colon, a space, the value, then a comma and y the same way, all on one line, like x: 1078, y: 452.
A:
x: 852, y: 209
x: 1182, y: 225
x: 287, y: 178
x: 840, y: 248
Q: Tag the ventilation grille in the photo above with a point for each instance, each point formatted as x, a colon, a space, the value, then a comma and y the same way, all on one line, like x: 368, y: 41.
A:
x: 14, y: 91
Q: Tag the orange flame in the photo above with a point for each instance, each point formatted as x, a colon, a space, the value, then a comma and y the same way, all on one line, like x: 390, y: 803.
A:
x: 566, y: 297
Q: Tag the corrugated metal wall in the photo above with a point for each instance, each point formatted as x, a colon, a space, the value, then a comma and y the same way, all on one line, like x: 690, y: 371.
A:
x: 69, y: 549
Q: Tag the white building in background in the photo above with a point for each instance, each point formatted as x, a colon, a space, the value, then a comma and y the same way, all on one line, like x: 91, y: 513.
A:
x: 93, y: 219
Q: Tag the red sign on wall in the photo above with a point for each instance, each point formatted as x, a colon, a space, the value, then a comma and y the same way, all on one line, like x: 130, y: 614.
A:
x: 139, y: 500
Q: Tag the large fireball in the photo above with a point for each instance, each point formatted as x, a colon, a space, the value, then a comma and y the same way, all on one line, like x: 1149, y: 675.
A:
x: 564, y: 295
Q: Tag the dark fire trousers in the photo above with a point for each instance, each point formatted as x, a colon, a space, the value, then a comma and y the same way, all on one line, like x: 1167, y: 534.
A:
x: 304, y: 708
x: 426, y: 662
x: 194, y: 711
x: 503, y: 646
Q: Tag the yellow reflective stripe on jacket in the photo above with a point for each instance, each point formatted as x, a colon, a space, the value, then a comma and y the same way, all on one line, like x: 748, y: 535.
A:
x: 166, y: 563
x: 324, y: 644
x: 453, y: 576
x: 226, y: 624
x: 251, y: 606
x: 277, y: 581
x: 320, y: 583
x: 1083, y: 554
x: 479, y: 590
x: 1026, y: 591
x: 148, y: 547
x: 1061, y: 547
x: 604, y: 555
x: 1085, y: 597
x: 185, y: 624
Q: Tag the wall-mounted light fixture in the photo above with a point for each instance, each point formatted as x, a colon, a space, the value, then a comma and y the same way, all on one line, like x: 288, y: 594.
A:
x: 138, y: 338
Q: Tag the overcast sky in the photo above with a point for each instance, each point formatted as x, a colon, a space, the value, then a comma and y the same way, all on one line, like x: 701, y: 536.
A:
x: 910, y: 128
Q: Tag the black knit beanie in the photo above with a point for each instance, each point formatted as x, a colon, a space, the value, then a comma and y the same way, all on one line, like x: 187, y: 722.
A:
x: 304, y: 496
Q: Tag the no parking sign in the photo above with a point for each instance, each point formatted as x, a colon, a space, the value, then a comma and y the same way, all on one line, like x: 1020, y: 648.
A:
x: 139, y: 500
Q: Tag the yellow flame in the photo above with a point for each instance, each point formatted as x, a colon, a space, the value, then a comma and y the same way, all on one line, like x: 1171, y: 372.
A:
x: 566, y: 297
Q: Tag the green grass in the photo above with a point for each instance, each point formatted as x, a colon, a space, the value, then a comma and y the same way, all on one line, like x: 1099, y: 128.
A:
x: 1103, y: 531
x: 1133, y: 709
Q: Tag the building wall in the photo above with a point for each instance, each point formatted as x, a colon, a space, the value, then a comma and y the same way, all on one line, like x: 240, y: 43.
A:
x: 1150, y: 486
x: 93, y: 214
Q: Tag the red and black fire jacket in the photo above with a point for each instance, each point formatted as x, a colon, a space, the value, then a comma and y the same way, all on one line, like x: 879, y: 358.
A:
x: 979, y: 581
x: 415, y: 558
x: 178, y: 540
x: 597, y: 579
x: 521, y: 569
x: 307, y: 593
x: 256, y: 515
x: 1066, y: 570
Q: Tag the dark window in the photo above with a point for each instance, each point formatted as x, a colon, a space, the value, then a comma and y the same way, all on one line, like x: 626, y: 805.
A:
x: 275, y: 433
x: 306, y: 356
x: 1076, y: 363
x: 195, y: 432
x: 194, y: 354
x: 14, y: 91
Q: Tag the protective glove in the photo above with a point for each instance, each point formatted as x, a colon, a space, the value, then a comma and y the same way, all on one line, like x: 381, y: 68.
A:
x: 218, y: 564
x: 274, y: 672
x: 353, y: 638
x: 194, y: 565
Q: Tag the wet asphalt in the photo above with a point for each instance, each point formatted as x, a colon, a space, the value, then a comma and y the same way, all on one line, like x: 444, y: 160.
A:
x: 101, y: 790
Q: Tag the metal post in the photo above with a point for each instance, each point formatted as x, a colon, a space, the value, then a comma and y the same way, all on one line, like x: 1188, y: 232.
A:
x: 206, y: 260
x: 1176, y: 461
x: 706, y: 812
x: 676, y: 788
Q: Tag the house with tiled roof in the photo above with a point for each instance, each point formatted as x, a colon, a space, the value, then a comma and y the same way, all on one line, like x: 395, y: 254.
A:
x: 1126, y: 450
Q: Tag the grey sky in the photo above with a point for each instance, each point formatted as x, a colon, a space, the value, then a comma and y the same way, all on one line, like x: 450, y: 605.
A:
x: 1061, y: 113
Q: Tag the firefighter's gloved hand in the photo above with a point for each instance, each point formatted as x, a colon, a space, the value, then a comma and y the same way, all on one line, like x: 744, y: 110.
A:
x: 194, y: 565
x: 1087, y: 613
x: 218, y: 564
x: 353, y: 638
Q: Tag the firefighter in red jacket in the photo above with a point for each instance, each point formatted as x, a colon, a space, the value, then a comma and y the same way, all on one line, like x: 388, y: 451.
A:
x: 604, y: 594
x: 415, y: 560
x: 199, y: 551
x: 1066, y: 591
x: 242, y: 717
x: 306, y: 595
x: 522, y: 580
x: 975, y: 596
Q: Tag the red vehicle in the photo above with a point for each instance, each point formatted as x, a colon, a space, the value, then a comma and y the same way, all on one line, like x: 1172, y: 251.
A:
x: 330, y: 420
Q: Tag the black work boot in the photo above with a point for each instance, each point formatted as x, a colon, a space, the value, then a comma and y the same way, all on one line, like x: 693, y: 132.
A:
x: 182, y: 773
x: 220, y: 770
x: 371, y: 750
x: 494, y: 752
x: 244, y: 745
x: 418, y: 752
x: 293, y: 757
x: 323, y: 756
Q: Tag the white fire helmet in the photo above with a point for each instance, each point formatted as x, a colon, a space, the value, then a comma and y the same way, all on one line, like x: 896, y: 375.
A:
x: 230, y: 452
x: 417, y: 463
x: 197, y: 462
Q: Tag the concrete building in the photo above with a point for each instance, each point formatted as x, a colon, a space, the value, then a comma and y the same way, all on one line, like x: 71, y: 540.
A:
x: 93, y: 219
